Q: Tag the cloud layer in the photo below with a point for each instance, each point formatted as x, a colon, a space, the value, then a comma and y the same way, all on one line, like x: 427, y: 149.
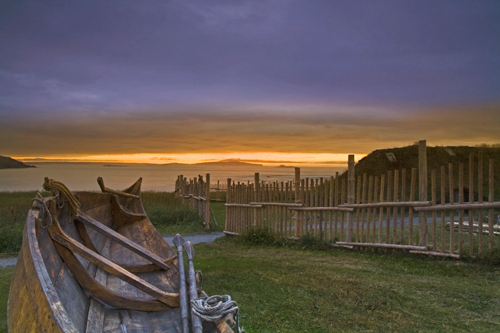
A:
x: 291, y: 76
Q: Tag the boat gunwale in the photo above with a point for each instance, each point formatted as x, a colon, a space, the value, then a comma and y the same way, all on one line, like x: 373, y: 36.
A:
x: 34, y: 258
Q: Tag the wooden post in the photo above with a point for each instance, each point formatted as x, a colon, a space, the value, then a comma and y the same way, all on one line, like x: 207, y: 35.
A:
x: 480, y: 199
x: 342, y: 201
x: 434, y: 216
x: 388, y: 210
x: 422, y: 179
x: 298, y: 215
x: 443, y: 201
x: 471, y: 200
x: 177, y: 187
x: 358, y: 201
x: 321, y: 204
x: 218, y: 189
x: 461, y: 211
x: 228, y: 200
x: 395, y: 209
x: 375, y: 193
x: 199, y: 194
x: 256, y: 220
x: 351, y: 187
x: 336, y: 202
x: 330, y: 204
x: 363, y: 210
x: 412, y: 198
x: 491, y: 196
x: 452, y: 212
x: 381, y: 211
x: 369, y: 210
x: 207, y: 202
x: 194, y: 190
x: 403, y: 198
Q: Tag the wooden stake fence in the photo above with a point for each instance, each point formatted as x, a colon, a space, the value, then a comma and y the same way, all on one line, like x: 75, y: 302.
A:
x: 379, y: 211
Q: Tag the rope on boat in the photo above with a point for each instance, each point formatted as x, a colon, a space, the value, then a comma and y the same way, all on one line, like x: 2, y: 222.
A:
x: 216, y: 307
x: 45, y: 211
x: 58, y: 188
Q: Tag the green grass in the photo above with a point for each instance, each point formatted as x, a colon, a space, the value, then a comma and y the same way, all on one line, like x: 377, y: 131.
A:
x: 170, y: 216
x: 5, y: 277
x: 293, y: 290
x: 219, y: 210
x: 14, y: 207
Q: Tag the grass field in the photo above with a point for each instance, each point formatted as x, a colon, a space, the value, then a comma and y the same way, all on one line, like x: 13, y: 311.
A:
x: 294, y: 288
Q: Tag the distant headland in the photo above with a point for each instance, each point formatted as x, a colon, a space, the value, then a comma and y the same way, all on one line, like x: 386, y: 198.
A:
x: 10, y: 163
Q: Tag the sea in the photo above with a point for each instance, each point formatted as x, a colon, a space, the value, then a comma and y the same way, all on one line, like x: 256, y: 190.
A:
x: 83, y: 176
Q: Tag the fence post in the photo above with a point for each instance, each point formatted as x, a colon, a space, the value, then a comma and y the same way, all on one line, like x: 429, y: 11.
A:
x: 298, y: 214
x: 177, y: 187
x: 351, y: 185
x: 422, y: 195
x: 256, y: 198
x: 228, y: 200
x: 199, y: 203
x: 207, y: 202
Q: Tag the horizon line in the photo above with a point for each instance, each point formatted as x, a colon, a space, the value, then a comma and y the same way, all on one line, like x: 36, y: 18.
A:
x: 264, y: 159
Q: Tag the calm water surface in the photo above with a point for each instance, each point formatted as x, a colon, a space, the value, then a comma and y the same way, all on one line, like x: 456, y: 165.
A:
x: 83, y: 176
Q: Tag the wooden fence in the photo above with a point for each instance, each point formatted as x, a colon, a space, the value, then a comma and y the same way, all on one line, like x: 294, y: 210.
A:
x: 396, y: 210
x: 195, y: 194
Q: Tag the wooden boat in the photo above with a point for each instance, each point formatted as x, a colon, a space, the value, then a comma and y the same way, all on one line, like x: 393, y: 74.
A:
x: 93, y: 262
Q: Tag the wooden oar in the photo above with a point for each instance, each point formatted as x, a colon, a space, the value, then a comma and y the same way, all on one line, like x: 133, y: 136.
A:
x: 193, y: 290
x: 178, y: 242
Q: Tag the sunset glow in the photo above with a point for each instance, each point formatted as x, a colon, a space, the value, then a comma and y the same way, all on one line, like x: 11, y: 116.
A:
x: 299, y: 159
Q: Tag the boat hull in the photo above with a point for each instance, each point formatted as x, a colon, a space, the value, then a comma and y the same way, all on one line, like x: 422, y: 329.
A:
x: 95, y: 271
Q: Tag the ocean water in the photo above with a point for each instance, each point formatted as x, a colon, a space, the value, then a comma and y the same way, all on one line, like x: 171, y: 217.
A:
x: 83, y: 176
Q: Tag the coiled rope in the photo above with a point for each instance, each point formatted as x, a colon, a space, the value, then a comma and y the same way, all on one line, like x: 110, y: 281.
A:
x: 216, y: 307
x: 60, y: 190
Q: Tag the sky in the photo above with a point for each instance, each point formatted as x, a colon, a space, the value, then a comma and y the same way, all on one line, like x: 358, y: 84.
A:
x: 187, y: 81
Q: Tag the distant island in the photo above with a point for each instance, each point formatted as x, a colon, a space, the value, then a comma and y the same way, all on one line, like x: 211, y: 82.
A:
x: 10, y: 163
x: 234, y: 163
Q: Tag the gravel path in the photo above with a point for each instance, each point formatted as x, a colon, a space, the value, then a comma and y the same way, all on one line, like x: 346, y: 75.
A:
x: 194, y: 239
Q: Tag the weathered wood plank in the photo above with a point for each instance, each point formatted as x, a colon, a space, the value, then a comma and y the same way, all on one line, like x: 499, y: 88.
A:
x: 170, y: 299
x: 145, y: 253
x: 95, y: 317
x: 331, y: 209
x: 477, y: 205
x: 383, y: 245
x: 123, y: 215
x: 121, y: 321
x: 438, y: 254
x: 283, y: 204
x: 44, y: 302
x: 72, y: 297
x: 104, y: 189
